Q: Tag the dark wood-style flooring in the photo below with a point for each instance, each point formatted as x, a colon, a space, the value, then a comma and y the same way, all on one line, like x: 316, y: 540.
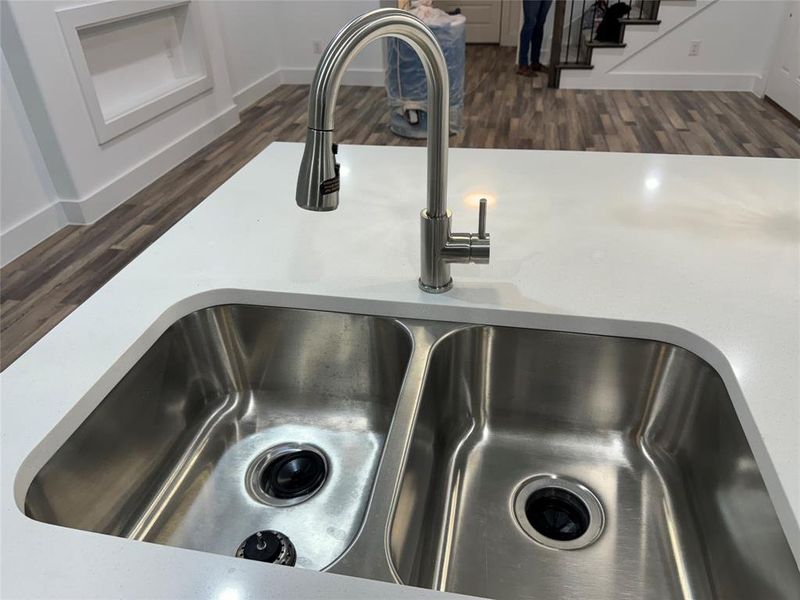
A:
x: 502, y: 110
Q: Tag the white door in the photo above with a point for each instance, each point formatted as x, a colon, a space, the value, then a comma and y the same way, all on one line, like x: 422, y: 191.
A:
x: 483, y: 18
x: 512, y: 22
x: 783, y: 81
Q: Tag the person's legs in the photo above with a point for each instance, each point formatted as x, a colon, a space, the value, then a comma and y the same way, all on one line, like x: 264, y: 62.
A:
x: 543, y: 6
x: 530, y: 8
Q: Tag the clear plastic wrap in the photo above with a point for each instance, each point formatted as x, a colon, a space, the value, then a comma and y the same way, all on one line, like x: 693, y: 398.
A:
x: 406, y: 86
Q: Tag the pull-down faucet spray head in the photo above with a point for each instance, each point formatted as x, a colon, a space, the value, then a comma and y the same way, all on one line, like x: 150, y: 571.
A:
x: 318, y: 182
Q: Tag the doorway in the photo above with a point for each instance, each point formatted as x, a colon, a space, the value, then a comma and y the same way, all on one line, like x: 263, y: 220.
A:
x: 484, y: 18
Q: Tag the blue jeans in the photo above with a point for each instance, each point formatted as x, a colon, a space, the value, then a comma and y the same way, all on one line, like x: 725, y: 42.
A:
x: 530, y: 37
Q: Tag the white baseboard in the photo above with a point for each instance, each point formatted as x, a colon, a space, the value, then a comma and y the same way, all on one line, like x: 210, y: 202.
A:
x: 257, y: 90
x: 89, y: 209
x: 372, y: 77
x: 760, y: 86
x: 300, y: 76
x: 37, y: 228
x: 24, y: 236
x: 716, y: 82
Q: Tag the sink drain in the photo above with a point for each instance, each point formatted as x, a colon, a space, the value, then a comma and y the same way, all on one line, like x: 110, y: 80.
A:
x: 268, y: 546
x: 558, y: 513
x: 287, y: 474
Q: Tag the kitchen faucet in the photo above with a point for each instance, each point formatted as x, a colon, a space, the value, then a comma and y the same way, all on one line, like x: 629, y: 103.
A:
x: 318, y: 181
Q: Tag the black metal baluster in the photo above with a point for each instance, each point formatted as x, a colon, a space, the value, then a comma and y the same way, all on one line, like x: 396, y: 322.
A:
x: 581, y: 37
x: 569, y: 30
x: 583, y: 12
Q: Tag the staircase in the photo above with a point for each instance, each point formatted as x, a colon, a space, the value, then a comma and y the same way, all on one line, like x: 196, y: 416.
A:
x: 586, y: 62
x: 582, y: 21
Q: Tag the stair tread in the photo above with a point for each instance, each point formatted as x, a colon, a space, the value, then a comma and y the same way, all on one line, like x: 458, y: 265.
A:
x: 590, y: 43
x: 596, y: 44
x: 641, y: 21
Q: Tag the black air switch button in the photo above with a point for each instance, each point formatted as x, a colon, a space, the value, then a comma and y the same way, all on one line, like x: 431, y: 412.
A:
x: 268, y: 546
x: 329, y: 186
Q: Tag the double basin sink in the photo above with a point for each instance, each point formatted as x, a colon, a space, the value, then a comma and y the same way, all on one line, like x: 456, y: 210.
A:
x: 498, y: 462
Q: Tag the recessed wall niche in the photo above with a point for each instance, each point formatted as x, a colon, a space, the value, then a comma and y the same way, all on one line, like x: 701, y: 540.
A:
x: 135, y: 59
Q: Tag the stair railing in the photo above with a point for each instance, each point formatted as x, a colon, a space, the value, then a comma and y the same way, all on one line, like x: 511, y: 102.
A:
x: 578, y: 22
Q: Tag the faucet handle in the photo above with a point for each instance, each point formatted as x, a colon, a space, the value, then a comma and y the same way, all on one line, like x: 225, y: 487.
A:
x: 482, y: 219
x: 479, y: 243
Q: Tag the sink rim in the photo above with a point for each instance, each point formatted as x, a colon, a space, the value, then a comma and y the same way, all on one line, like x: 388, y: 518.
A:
x: 38, y: 456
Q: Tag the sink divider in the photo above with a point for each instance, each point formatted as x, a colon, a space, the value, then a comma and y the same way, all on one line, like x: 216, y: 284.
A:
x: 372, y: 541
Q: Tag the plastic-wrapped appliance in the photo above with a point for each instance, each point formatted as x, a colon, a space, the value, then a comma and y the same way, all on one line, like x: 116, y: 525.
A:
x: 406, y: 85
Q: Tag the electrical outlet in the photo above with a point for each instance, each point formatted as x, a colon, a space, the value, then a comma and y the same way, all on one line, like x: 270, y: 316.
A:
x: 317, y: 46
x: 694, y: 48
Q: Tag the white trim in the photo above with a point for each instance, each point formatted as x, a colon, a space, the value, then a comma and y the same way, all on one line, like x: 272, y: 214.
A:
x: 304, y: 75
x: 698, y: 82
x: 104, y: 200
x: 25, y: 235
x: 760, y: 86
x: 76, y: 18
x: 257, y: 90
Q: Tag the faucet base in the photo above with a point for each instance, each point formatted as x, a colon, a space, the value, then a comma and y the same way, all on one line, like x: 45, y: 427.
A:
x: 436, y: 290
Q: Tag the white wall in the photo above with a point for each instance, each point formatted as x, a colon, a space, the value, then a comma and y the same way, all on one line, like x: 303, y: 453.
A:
x: 737, y: 38
x: 783, y: 70
x: 90, y: 178
x: 30, y: 208
x: 250, y: 36
x: 271, y: 42
x: 304, y: 21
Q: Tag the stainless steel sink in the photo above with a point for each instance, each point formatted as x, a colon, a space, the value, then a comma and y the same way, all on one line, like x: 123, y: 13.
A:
x: 165, y: 457
x: 646, y: 427
x: 508, y: 463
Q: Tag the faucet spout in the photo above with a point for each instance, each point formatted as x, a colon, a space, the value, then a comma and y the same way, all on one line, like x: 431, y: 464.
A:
x: 318, y: 160
x: 318, y: 180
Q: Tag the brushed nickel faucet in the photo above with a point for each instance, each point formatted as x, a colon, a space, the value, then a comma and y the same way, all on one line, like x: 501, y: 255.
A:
x: 318, y: 181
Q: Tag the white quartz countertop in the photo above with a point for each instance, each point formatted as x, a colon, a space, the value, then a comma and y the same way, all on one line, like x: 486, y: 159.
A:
x: 701, y: 252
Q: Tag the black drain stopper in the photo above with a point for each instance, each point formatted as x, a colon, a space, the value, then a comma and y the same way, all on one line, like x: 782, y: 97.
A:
x: 294, y: 474
x: 268, y: 546
x: 557, y: 514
